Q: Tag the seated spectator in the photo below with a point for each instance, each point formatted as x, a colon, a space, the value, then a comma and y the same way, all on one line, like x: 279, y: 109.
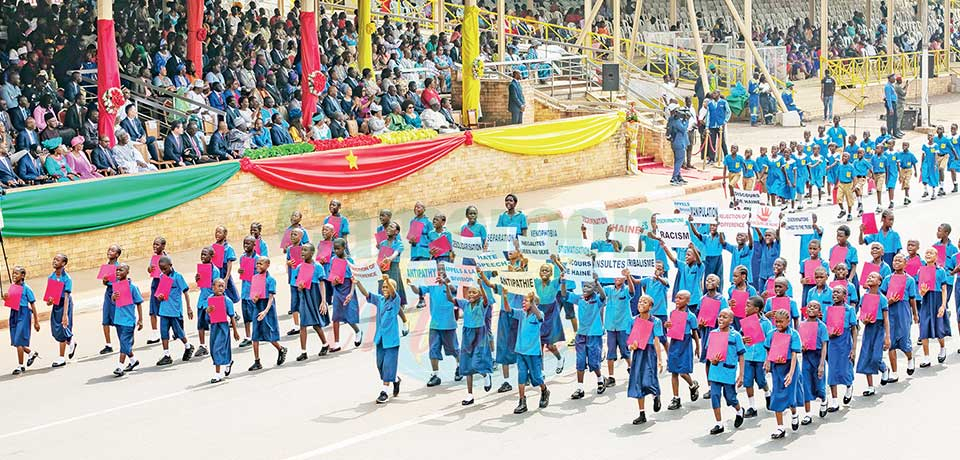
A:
x: 103, y: 160
x: 19, y: 113
x: 278, y: 134
x: 234, y: 119
x: 396, y: 120
x: 429, y: 93
x: 28, y: 138
x: 52, y: 130
x: 43, y: 109
x: 57, y: 167
x: 8, y: 176
x: 413, y: 98
x: 260, y: 136
x: 391, y: 100
x: 218, y: 148
x: 91, y: 131
x: 173, y: 146
x: 10, y: 91
x: 128, y: 157
x: 338, y: 127
x: 376, y: 124
x: 195, y: 152
x: 137, y: 132
x: 216, y: 97
x: 76, y: 113
x: 78, y: 162
x: 319, y: 130
x: 296, y: 131
x: 410, y: 115
x: 433, y: 119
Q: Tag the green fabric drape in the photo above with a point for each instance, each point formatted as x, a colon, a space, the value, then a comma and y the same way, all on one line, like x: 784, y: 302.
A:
x: 92, y: 205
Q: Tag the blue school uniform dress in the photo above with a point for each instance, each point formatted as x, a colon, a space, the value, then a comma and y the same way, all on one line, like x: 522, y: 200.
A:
x: 833, y: 167
x: 812, y: 386
x: 652, y: 245
x: 643, y: 366
x: 551, y: 330
x: 21, y: 321
x: 690, y: 278
x: 107, y: 312
x: 723, y: 376
x: 518, y: 221
x: 802, y: 166
x: 344, y: 226
x: 267, y: 329
x: 890, y: 240
x: 949, y: 263
x: 589, y: 340
x: 154, y: 301
x: 775, y: 178
x: 712, y: 252
x: 220, y: 348
x: 839, y: 364
x: 768, y: 254
x: 901, y: 315
x: 755, y: 356
x: 891, y: 169
x: 434, y: 235
x: 932, y: 327
x: 740, y: 256
x: 294, y: 292
x: 310, y: 298
x: 818, y: 170
x: 794, y: 311
x: 443, y: 326
x: 387, y: 337
x: 929, y: 175
x: 125, y: 321
x: 782, y: 396
x: 507, y: 329
x: 229, y: 255
x: 203, y: 318
x: 528, y: 351
x: 247, y: 307
x: 870, y: 359
x: 807, y: 287
x: 394, y: 271
x: 345, y: 312
x: 953, y: 163
x: 617, y: 321
x: 705, y: 330
x: 63, y: 306
x: 654, y: 288
x: 475, y: 354
x: 171, y: 309
x: 824, y: 296
x: 680, y: 353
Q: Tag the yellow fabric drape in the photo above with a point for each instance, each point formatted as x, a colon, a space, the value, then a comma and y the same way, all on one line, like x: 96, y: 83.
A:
x: 364, y: 42
x: 551, y: 138
x: 470, y: 44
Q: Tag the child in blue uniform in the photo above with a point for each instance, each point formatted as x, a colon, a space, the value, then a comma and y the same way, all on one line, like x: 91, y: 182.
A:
x: 475, y: 354
x: 902, y: 312
x: 334, y: 208
x: 259, y: 246
x: 247, y: 307
x: 817, y: 163
x: 754, y: 358
x: 590, y: 335
x: 769, y: 251
x: 740, y: 255
x: 749, y: 170
x: 711, y: 291
x: 220, y: 351
x: 20, y: 322
x: 680, y: 352
x: 443, y: 325
x: 844, y: 171
x: 113, y: 253
x: 929, y: 175
x: 934, y: 315
x: 711, y: 248
x: 438, y: 231
x: 876, y: 336
x: 820, y: 292
x: 203, y: 319
x: 528, y: 350
x: 346, y: 309
x: 125, y: 320
x: 785, y: 374
x: 690, y: 273
x: 907, y: 164
x: 171, y: 312
x: 296, y: 240
x: 153, y: 271
x: 229, y: 257
x: 780, y: 291
x: 885, y: 235
x: 419, y: 244
x: 507, y: 324
x: 61, y: 314
x: 727, y: 374
x: 312, y: 302
x: 813, y: 375
x: 656, y: 287
x: 617, y: 321
x: 266, y: 328
x: 733, y: 170
x: 387, y: 337
x: 841, y: 348
x: 390, y: 265
x: 548, y: 295
x: 802, y: 164
x: 809, y: 280
x: 646, y: 362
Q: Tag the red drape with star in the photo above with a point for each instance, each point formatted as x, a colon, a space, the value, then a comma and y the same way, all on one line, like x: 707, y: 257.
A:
x: 309, y: 62
x: 331, y: 171
x: 108, y: 75
x: 196, y: 34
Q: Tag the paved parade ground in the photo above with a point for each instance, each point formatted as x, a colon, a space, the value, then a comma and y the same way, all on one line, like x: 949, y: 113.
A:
x: 324, y: 407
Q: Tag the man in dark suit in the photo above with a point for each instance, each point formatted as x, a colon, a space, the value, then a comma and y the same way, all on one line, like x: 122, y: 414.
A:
x: 331, y: 105
x: 516, y: 103
x: 102, y: 158
x: 29, y: 136
x: 8, y: 178
x: 138, y: 133
x: 218, y: 146
x: 173, y: 146
x: 30, y: 170
x: 75, y: 114
x: 278, y: 134
x: 73, y: 88
x: 20, y: 113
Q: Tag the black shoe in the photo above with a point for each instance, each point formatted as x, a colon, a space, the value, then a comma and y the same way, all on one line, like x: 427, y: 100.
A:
x: 302, y: 357
x: 106, y: 349
x: 188, y: 353
x: 505, y: 387
x: 609, y: 382
x: 228, y: 369
x: 656, y: 404
x: 831, y: 410
x: 941, y: 193
x: 382, y: 399
x: 58, y: 364
x: 640, y: 419
x: 396, y: 387
x: 706, y: 394
x: 578, y: 394
x: 165, y: 361
x: 456, y: 375
x: 823, y: 410
x: 922, y: 366
x: 739, y: 419
x: 153, y: 341
x: 487, y: 383
x: 842, y: 214
x: 601, y: 387
x: 925, y: 194
x: 717, y: 429
x: 293, y: 332
x: 869, y: 392
x: 521, y: 407
x: 694, y: 391
x: 118, y: 372
x: 334, y: 350
x: 779, y: 434
x: 750, y: 413
x: 246, y: 343
x: 941, y: 358
x: 33, y: 357
x: 544, y: 399
x: 201, y: 351
x: 434, y: 381
x: 674, y: 404
x: 282, y: 356
x: 324, y: 350
x: 795, y: 423
x: 806, y: 420
x: 256, y: 366
x: 132, y: 365
x: 847, y: 399
x: 19, y: 370
x: 420, y: 304
x: 467, y: 402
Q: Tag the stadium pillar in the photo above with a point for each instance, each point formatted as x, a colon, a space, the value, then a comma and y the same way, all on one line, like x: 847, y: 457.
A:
x: 747, y: 57
x: 617, y: 33
x: 365, y: 42
x: 812, y: 10
x: 673, y: 13
x: 824, y: 49
x: 309, y: 60
x: 108, y: 71
x: 635, y: 31
x: 701, y: 63
x: 195, y: 35
x: 438, y: 16
x: 753, y: 49
x: 868, y: 14
x: 471, y: 52
x: 890, y: 7
x: 925, y: 62
x: 501, y: 30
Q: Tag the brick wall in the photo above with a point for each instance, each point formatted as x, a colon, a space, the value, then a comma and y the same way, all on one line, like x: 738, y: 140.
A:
x: 468, y: 173
x: 494, y: 97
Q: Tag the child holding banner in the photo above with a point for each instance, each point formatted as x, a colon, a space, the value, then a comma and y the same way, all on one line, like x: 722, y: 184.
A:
x: 265, y: 328
x: 20, y: 319
x: 783, y: 347
x: 681, y: 350
x: 842, y: 326
x: 247, y: 307
x: 513, y: 217
x: 475, y: 356
x: 885, y: 235
x: 507, y: 324
x: 206, y: 290
x: 220, y: 347
x: 711, y: 304
x: 769, y: 251
x: 388, y: 258
x: 690, y: 273
x: 740, y: 255
x: 646, y: 361
x: 590, y: 335
x: 341, y: 226
x: 309, y: 278
x: 725, y: 353
x: 876, y: 333
x: 287, y: 240
x: 171, y: 291
x: 153, y: 270
x: 846, y: 253
x: 108, y: 308
x: 711, y: 247
x: 346, y: 309
x: 125, y: 319
x: 387, y: 337
x: 548, y: 293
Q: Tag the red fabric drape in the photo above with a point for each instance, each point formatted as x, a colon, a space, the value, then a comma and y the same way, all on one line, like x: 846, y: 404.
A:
x: 108, y: 74
x: 195, y: 35
x: 309, y: 62
x: 330, y: 172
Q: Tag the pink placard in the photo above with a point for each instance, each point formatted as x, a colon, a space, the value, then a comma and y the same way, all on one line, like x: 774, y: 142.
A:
x: 163, y: 287
x: 107, y: 272
x: 768, y: 289
x: 808, y: 335
x: 780, y: 303
x: 869, y: 306
x: 869, y: 221
x: 124, y: 293
x: 248, y: 265
x: 384, y: 252
x: 928, y: 277
x: 218, y: 251
x: 219, y: 309
x: 913, y: 266
x: 442, y: 245
x: 678, y: 325
x: 295, y: 256
x: 810, y: 267
x: 836, y: 316
x: 941, y: 254
x: 305, y: 276
x: 779, y: 347
x: 752, y: 328
x: 285, y: 239
x: 740, y: 299
x: 14, y: 293
x: 338, y: 270
x: 155, y: 266
x: 381, y: 236
x: 256, y: 246
x: 709, y: 309
x: 717, y: 346
x: 54, y: 291
x: 466, y: 232
x: 337, y: 223
x: 868, y: 268
x: 204, y: 276
x: 838, y: 255
x: 416, y: 231
x: 640, y: 333
x: 324, y: 251
x: 897, y: 286
x: 258, y: 286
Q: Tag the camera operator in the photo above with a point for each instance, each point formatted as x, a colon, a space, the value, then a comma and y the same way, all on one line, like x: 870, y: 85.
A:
x: 677, y: 126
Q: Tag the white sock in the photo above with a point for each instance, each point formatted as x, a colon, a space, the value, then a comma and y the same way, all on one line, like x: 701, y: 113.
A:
x: 580, y: 386
x: 750, y: 402
x: 433, y: 374
x: 910, y: 363
x: 166, y: 352
x: 108, y: 344
x: 303, y: 350
x: 336, y: 344
x: 600, y: 379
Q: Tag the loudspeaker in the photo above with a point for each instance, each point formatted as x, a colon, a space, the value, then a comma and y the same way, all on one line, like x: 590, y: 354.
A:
x: 611, y: 77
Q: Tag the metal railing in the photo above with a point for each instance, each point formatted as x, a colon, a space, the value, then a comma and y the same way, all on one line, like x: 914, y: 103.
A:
x: 862, y: 71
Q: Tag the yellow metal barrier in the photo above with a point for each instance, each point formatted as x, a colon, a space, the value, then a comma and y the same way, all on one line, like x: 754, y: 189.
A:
x: 862, y: 71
